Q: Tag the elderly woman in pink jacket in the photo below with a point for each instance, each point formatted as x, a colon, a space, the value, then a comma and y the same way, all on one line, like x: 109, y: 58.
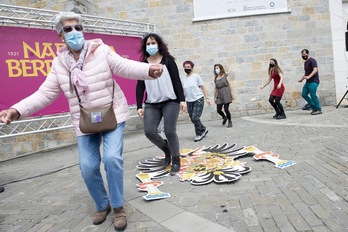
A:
x: 85, y: 68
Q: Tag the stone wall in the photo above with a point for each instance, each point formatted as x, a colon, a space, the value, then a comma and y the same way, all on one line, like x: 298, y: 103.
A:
x: 22, y: 145
x: 243, y: 46
x: 17, y: 146
x: 78, y: 6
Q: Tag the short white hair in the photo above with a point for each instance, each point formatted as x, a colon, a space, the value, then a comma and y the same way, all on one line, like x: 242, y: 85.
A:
x: 62, y: 16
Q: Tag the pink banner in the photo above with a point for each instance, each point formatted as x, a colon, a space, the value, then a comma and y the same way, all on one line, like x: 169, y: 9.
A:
x: 26, y: 56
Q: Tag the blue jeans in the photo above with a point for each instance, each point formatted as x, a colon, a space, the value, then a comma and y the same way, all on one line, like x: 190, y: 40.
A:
x: 153, y: 114
x: 90, y: 160
x: 195, y: 110
x: 311, y: 89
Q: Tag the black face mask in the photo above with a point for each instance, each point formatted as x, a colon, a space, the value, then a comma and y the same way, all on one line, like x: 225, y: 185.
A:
x: 271, y: 65
x: 188, y: 70
x: 305, y: 57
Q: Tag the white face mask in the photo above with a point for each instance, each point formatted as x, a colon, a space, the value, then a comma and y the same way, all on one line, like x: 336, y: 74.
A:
x: 217, y: 71
x: 75, y: 40
x: 152, y: 49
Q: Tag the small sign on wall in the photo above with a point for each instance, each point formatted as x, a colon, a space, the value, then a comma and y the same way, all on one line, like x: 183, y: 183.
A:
x: 217, y: 9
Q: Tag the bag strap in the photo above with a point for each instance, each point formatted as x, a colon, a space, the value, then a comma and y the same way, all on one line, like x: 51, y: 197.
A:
x: 112, y: 99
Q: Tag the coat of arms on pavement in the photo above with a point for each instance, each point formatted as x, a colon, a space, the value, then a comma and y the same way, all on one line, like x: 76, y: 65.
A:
x: 203, y: 165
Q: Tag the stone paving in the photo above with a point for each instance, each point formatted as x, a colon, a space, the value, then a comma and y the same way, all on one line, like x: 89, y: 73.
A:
x: 45, y: 191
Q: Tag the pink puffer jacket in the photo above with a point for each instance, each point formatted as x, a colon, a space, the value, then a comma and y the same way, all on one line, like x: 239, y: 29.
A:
x: 99, y: 65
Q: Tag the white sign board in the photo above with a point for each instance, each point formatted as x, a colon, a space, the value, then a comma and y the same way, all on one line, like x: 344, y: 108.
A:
x: 216, y: 9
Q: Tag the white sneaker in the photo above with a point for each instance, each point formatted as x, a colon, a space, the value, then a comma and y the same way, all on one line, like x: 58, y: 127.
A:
x: 198, y: 138
x: 204, y: 133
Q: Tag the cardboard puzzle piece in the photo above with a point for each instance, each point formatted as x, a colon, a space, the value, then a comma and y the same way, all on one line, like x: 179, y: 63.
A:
x: 270, y: 156
x: 203, y: 165
x: 153, y: 193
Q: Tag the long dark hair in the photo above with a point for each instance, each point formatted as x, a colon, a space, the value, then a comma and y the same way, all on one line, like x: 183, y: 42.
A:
x: 162, y: 46
x: 222, y: 70
x: 276, y: 69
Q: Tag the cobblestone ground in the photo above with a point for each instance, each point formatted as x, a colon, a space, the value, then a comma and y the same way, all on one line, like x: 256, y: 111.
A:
x: 45, y: 192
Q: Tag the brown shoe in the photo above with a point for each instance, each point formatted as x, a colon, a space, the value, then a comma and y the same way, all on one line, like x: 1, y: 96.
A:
x: 100, y: 216
x: 120, y: 221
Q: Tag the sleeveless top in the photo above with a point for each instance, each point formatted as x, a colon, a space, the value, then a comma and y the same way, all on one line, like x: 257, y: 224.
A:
x: 223, y: 91
x: 277, y: 92
x: 161, y: 89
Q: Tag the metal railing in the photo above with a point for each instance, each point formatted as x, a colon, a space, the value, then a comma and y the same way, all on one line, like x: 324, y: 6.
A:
x: 35, y: 125
x: 42, y: 18
x: 42, y: 124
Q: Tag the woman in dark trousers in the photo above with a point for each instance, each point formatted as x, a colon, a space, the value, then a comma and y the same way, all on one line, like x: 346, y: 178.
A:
x: 164, y: 99
x: 275, y: 73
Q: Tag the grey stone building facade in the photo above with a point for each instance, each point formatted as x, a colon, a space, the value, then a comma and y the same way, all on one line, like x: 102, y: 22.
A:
x: 243, y: 45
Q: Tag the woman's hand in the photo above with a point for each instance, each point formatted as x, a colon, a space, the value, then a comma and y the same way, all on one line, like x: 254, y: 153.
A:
x: 7, y: 116
x: 183, y: 107
x: 155, y: 70
x: 140, y: 113
x: 208, y: 101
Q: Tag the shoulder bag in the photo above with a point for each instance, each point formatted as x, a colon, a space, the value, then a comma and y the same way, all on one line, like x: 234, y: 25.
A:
x: 97, y: 120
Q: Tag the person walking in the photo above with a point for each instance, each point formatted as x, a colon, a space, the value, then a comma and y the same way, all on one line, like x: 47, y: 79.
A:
x: 311, y: 76
x: 223, y: 94
x: 275, y: 73
x: 195, y: 95
x: 95, y: 85
x: 164, y: 99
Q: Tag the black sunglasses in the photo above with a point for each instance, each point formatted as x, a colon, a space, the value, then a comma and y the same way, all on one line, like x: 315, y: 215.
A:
x: 67, y: 29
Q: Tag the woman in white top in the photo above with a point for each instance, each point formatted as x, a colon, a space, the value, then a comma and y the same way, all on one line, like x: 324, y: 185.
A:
x: 164, y: 99
x: 195, y: 93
